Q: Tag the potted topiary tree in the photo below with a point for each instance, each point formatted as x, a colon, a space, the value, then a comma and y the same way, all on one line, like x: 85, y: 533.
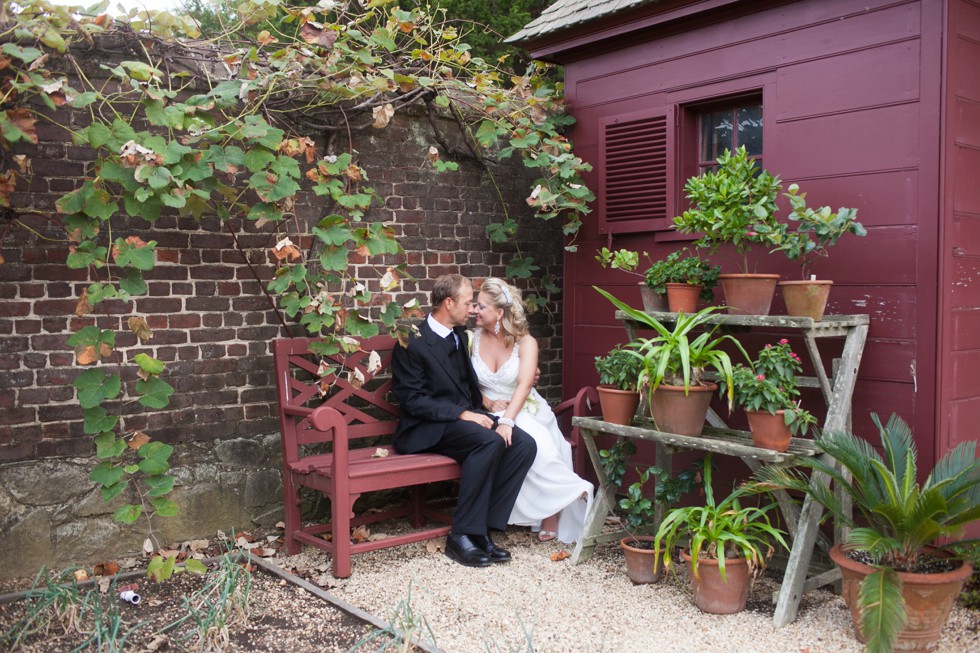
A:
x: 674, y: 362
x: 816, y: 231
x: 619, y: 373
x: 729, y: 545
x: 736, y: 204
x: 900, y: 586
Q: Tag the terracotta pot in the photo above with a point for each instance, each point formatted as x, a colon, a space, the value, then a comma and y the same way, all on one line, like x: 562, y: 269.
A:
x: 748, y: 294
x: 806, y: 298
x: 675, y: 412
x: 769, y: 431
x: 653, y: 302
x: 717, y: 596
x: 929, y: 599
x: 618, y: 406
x: 640, y: 562
x: 683, y: 297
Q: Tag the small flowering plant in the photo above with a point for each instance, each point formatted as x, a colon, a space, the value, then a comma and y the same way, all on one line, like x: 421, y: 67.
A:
x: 770, y: 384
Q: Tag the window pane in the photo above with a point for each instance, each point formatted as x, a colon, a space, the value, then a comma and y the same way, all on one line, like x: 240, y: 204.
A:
x: 750, y: 129
x: 716, y: 134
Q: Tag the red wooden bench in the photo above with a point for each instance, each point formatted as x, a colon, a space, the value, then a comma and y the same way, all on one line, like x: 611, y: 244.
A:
x: 335, y: 433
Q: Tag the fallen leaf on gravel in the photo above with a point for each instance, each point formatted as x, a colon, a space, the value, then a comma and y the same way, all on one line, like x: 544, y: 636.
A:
x: 560, y: 555
x: 281, y: 525
x: 327, y: 536
x: 167, y: 553
x: 148, y: 546
x: 377, y: 536
x: 105, y: 569
x: 128, y: 563
x: 196, y: 545
x: 104, y: 584
x: 81, y: 574
x: 158, y: 643
x: 360, y: 534
x: 263, y: 552
x: 272, y: 538
x: 435, y: 546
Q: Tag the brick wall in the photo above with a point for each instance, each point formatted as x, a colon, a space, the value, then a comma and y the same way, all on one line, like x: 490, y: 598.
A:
x: 211, y: 321
x: 212, y: 324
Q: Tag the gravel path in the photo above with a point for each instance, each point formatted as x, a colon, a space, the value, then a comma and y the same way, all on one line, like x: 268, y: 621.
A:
x: 590, y: 607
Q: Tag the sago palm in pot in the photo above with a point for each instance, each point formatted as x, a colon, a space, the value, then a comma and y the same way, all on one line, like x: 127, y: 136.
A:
x: 898, y: 519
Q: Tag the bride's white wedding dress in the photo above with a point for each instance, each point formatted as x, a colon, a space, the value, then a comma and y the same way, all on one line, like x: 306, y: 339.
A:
x: 550, y: 486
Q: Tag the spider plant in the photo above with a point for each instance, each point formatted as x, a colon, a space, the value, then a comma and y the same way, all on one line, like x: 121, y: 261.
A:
x: 675, y: 356
x: 898, y: 515
x: 717, y: 530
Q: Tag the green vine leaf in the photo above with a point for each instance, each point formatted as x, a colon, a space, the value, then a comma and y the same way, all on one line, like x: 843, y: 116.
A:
x: 112, y: 491
x: 159, y: 484
x: 127, y: 514
x: 155, y: 393
x: 98, y: 421
x: 149, y: 364
x: 106, y: 474
x: 94, y: 387
x: 132, y: 283
x: 156, y: 457
x: 107, y: 445
x: 164, y: 507
x: 133, y: 252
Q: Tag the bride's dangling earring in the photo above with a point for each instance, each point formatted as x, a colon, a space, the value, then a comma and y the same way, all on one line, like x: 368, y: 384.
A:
x: 496, y: 328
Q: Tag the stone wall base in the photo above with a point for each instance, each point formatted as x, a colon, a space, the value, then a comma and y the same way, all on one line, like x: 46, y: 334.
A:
x: 52, y: 515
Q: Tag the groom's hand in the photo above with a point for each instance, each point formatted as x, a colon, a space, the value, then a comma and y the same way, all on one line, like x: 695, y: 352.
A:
x: 479, y: 418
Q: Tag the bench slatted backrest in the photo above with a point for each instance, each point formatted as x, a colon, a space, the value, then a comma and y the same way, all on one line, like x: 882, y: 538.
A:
x: 345, y: 381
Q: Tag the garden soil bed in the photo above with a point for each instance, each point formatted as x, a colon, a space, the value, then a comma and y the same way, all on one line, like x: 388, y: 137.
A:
x: 281, y: 617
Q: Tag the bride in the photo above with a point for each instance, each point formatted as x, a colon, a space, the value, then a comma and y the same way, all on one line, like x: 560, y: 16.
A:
x: 553, y: 499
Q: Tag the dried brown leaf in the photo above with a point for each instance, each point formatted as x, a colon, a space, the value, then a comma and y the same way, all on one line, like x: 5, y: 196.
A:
x: 382, y: 115
x: 24, y: 120
x: 312, y: 33
x: 137, y: 440
x: 360, y: 534
x: 86, y: 355
x: 560, y: 555
x: 83, y: 307
x: 139, y: 327
x: 436, y: 546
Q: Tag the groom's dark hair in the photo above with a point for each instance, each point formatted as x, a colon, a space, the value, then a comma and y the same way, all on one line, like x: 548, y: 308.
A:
x: 447, y: 287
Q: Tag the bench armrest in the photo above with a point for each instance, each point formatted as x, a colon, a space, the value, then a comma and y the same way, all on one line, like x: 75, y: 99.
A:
x: 326, y: 418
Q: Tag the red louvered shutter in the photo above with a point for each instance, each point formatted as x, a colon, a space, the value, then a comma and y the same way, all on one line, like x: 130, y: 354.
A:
x: 636, y: 180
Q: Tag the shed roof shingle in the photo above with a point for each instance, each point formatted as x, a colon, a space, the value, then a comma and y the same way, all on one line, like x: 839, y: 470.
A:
x: 566, y: 13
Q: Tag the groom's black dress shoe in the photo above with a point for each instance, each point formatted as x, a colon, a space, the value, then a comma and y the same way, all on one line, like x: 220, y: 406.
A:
x: 464, y: 550
x: 494, y: 552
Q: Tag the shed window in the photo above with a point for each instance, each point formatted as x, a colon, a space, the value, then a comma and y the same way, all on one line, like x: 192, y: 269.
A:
x: 728, y: 127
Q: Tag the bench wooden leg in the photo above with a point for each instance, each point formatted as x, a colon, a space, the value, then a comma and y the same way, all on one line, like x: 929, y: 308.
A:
x: 341, y: 510
x: 417, y: 518
x: 293, y: 518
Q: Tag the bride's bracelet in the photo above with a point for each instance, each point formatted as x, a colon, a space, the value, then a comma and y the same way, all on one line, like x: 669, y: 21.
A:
x: 506, y: 421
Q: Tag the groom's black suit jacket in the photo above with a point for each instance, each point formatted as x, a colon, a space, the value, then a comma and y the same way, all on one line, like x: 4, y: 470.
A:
x: 429, y: 388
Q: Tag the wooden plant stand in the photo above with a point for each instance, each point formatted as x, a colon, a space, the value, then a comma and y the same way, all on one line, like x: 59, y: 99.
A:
x: 837, y: 389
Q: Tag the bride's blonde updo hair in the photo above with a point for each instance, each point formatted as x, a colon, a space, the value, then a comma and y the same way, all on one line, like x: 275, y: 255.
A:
x: 504, y: 296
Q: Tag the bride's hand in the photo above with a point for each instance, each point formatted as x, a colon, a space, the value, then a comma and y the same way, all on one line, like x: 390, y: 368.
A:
x: 496, y: 405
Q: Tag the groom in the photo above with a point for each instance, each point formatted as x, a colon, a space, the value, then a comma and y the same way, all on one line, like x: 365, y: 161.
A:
x: 441, y: 412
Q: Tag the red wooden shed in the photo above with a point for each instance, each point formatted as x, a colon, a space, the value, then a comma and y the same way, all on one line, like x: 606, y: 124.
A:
x: 874, y: 105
